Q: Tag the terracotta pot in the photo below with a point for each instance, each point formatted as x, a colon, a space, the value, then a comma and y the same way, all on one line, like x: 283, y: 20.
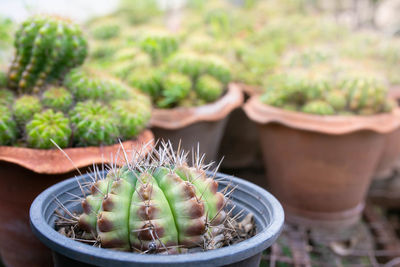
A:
x: 390, y: 159
x: 204, y: 125
x: 320, y: 167
x: 246, y: 150
x: 24, y: 173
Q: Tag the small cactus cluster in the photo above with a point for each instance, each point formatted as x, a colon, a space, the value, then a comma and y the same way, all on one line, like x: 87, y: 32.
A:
x: 352, y: 96
x: 157, y: 203
x: 159, y: 45
x: 56, y: 103
x: 46, y: 48
x: 187, y: 80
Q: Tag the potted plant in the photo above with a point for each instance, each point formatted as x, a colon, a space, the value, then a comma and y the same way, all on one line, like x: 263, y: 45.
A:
x: 83, y: 112
x: 157, y: 205
x: 322, y: 144
x: 191, y: 91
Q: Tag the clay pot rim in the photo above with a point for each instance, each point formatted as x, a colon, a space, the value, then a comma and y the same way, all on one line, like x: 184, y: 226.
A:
x: 53, y: 161
x: 181, y: 117
x: 336, y: 125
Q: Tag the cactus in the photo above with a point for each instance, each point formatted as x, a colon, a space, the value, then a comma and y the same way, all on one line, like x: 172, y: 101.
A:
x: 274, y: 98
x: 187, y: 63
x: 46, y: 48
x: 318, y: 107
x: 147, y: 80
x: 159, y: 44
x: 132, y: 115
x: 365, y: 94
x: 194, y: 65
x: 158, y: 203
x: 176, y: 87
x: 25, y: 107
x: 337, y: 99
x: 106, y: 29
x: 93, y: 124
x: 217, y: 67
x: 209, y: 88
x: 47, y: 126
x: 8, y: 127
x: 87, y: 86
x: 121, y: 69
x: 57, y: 98
x: 6, y: 97
x: 3, y: 79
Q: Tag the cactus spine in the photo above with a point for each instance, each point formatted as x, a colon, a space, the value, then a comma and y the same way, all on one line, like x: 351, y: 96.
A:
x: 46, y: 48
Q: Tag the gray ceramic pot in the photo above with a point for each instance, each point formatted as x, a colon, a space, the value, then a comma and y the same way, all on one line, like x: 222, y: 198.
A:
x: 268, y: 214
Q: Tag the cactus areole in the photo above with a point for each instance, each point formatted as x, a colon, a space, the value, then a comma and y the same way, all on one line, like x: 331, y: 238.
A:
x: 47, y: 47
x: 158, y: 204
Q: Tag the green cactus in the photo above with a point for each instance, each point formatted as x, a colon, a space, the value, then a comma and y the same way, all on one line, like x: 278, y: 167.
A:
x: 106, y: 29
x: 187, y: 63
x: 57, y: 98
x: 318, y: 107
x: 46, y: 48
x: 8, y: 127
x: 87, y: 86
x: 3, y: 79
x: 132, y: 115
x: 148, y: 80
x: 123, y: 68
x: 93, y: 124
x: 365, y: 95
x: 337, y: 99
x: 273, y: 98
x: 6, y: 97
x: 176, y: 87
x: 217, y: 67
x: 47, y: 126
x: 25, y: 107
x: 209, y: 88
x: 166, y: 206
x: 159, y: 44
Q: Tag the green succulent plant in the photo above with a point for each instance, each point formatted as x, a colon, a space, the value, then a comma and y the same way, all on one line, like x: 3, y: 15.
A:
x: 133, y: 116
x: 57, y: 98
x: 318, y: 107
x: 8, y: 127
x: 176, y: 87
x: 170, y: 205
x: 46, y: 48
x: 365, y: 95
x: 159, y: 44
x: 25, y: 107
x: 337, y: 99
x: 85, y: 86
x: 6, y: 97
x: 93, y: 124
x: 209, y: 88
x: 148, y: 80
x: 46, y: 126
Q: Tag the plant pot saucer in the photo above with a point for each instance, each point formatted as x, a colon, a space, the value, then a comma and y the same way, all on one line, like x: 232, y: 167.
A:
x: 53, y: 161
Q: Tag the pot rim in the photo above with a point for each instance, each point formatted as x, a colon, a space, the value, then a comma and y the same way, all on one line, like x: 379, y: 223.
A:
x: 53, y: 161
x: 181, y: 117
x: 221, y: 256
x: 336, y: 125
